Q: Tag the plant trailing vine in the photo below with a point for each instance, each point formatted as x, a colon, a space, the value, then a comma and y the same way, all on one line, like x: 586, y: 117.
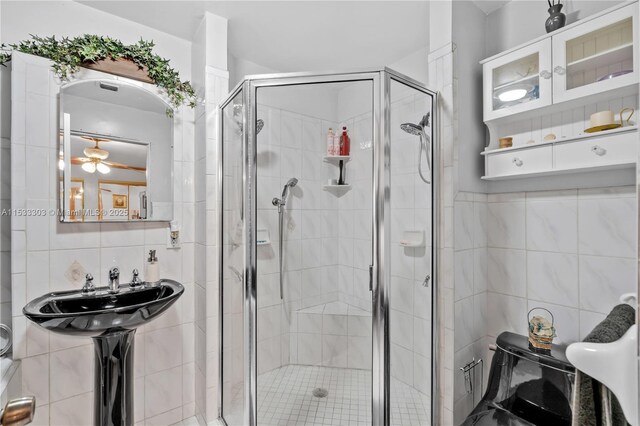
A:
x: 68, y: 54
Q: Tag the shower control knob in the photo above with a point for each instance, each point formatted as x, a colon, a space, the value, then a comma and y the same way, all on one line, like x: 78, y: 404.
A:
x: 518, y: 162
x: 426, y: 281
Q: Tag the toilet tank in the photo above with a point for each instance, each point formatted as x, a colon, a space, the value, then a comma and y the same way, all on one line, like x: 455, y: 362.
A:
x: 526, y: 387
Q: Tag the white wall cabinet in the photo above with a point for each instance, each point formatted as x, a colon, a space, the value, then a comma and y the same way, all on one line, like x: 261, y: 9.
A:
x: 597, y: 56
x: 543, y: 94
x: 518, y: 82
x: 591, y: 57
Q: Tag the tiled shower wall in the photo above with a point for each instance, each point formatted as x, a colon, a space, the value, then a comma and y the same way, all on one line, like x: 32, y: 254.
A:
x: 58, y: 370
x: 570, y: 251
x: 292, y: 145
x: 354, y: 220
x: 410, y: 292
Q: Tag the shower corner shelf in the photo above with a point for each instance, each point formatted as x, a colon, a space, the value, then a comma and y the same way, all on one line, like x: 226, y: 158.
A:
x: 336, y: 158
x: 337, y: 187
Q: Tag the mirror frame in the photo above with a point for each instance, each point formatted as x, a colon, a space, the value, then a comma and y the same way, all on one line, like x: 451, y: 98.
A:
x: 85, y: 76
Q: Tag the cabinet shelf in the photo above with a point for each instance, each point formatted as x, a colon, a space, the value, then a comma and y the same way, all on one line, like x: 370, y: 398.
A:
x: 602, y: 59
x: 515, y: 82
x: 582, y: 136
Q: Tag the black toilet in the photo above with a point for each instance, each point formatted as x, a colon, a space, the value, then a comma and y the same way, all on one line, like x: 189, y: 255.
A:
x: 525, y: 387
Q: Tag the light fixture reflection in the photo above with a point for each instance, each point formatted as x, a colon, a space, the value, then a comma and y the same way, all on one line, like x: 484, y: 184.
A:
x: 103, y: 168
x: 89, y: 167
x: 512, y: 95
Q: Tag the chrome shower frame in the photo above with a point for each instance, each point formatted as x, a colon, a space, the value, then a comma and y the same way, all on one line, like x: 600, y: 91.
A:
x: 381, y: 246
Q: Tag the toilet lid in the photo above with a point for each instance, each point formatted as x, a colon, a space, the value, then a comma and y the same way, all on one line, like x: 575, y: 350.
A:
x: 495, y: 418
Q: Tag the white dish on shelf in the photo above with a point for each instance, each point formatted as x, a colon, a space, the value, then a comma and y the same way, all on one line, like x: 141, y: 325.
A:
x: 614, y: 75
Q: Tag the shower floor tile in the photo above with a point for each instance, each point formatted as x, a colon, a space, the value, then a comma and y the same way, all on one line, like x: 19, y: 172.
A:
x: 285, y: 397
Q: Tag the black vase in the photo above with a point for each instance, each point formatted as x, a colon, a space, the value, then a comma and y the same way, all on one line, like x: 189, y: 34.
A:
x: 556, y: 19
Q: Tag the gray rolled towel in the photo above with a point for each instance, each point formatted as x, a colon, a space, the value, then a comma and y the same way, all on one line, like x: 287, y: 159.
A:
x: 593, y: 403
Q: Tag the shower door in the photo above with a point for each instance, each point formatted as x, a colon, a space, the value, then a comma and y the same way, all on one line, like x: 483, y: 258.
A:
x: 360, y: 350
x: 407, y: 250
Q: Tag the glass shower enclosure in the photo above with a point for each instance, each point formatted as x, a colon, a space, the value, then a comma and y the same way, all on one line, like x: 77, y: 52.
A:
x: 327, y: 243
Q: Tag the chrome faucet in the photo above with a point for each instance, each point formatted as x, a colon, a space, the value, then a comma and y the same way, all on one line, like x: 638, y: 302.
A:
x: 88, y: 286
x: 114, y: 280
x: 135, y: 281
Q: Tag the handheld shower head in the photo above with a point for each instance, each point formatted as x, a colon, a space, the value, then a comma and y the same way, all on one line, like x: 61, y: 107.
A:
x: 279, y: 202
x: 292, y: 182
x: 418, y: 130
x: 412, y: 129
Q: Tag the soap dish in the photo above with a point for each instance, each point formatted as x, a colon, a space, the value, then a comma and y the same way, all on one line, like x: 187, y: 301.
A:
x: 412, y: 239
x: 263, y: 238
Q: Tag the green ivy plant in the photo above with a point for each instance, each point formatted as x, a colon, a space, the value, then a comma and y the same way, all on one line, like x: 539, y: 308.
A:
x: 68, y: 54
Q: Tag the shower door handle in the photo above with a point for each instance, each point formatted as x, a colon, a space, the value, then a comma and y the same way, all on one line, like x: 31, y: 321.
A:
x: 370, y: 277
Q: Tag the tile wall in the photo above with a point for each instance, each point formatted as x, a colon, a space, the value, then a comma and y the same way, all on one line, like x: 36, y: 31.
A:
x: 441, y: 78
x: 571, y: 251
x: 470, y: 295
x: 58, y: 370
x: 5, y: 205
x: 206, y: 243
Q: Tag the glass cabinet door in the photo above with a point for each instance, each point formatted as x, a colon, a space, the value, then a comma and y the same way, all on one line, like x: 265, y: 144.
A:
x: 596, y: 56
x: 518, y: 81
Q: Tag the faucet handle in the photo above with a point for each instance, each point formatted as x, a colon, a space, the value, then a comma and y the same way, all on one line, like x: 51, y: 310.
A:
x: 135, y: 281
x: 88, y: 286
x: 114, y: 273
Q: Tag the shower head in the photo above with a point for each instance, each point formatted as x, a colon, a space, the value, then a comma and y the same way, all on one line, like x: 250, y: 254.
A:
x: 279, y: 202
x: 416, y: 129
x: 237, y: 113
x: 412, y: 129
x: 419, y: 130
x: 292, y: 182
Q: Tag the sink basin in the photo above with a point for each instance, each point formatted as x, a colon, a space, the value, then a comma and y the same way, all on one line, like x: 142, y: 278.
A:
x: 110, y: 319
x: 75, y: 313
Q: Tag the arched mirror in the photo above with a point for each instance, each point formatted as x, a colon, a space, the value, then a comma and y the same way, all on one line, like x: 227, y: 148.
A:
x: 116, y: 153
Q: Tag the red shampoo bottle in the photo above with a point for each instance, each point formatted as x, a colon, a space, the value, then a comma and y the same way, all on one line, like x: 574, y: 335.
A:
x: 345, y: 142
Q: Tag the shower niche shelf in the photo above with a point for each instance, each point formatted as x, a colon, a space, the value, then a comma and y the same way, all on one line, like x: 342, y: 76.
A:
x: 412, y: 239
x: 336, y: 158
x: 263, y: 238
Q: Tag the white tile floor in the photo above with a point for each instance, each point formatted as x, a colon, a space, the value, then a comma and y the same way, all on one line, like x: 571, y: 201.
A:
x: 285, y: 398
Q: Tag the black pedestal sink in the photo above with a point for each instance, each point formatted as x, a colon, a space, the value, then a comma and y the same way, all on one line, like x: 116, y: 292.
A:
x: 110, y: 319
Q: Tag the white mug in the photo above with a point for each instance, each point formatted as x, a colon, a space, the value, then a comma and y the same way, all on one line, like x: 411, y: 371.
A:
x: 602, y: 118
